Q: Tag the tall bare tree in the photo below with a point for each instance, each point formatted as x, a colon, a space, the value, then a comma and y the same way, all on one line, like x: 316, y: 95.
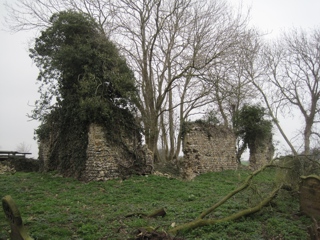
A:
x: 295, y: 72
x: 286, y: 75
x: 247, y: 81
x: 35, y: 14
x: 169, y: 45
x: 231, y: 88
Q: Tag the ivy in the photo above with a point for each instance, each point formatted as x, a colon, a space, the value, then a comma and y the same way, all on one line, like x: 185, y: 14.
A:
x: 251, y: 127
x: 83, y: 80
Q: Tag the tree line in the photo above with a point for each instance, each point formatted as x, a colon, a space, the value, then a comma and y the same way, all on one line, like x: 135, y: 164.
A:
x: 185, y: 58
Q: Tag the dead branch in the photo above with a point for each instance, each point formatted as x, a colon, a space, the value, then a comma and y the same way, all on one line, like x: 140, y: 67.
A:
x: 157, y: 213
x: 239, y: 189
x: 200, y: 222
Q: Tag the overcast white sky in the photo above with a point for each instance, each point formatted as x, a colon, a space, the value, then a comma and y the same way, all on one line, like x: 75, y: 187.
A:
x: 18, y: 75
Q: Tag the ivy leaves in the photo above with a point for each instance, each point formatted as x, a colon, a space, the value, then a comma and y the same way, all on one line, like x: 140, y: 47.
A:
x: 81, y: 71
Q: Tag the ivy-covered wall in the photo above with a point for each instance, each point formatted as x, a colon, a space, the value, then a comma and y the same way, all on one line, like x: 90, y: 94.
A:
x: 105, y: 159
x: 62, y: 148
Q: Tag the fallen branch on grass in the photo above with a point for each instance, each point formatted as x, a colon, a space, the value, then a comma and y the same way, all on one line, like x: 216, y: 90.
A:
x: 157, y: 213
x: 200, y: 221
x: 234, y: 192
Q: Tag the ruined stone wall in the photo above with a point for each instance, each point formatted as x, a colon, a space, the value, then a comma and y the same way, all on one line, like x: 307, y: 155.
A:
x: 44, y: 153
x: 263, y: 155
x: 104, y: 159
x: 310, y: 196
x: 101, y: 161
x: 207, y: 148
x: 108, y: 161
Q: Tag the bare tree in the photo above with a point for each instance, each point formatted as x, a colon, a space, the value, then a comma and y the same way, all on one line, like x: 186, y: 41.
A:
x: 286, y: 74
x: 261, y: 64
x: 23, y: 147
x: 24, y: 15
x: 232, y: 89
x: 168, y: 44
x: 295, y: 68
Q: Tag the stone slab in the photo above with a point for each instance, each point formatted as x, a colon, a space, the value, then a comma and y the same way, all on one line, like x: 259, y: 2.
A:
x: 18, y: 231
x: 310, y: 196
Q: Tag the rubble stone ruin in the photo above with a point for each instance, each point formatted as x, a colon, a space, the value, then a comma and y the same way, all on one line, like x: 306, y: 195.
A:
x: 263, y: 155
x: 310, y: 196
x: 310, y: 202
x: 212, y: 148
x: 207, y: 148
x: 104, y: 159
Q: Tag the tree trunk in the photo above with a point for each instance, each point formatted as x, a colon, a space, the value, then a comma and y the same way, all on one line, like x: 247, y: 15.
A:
x: 274, y: 119
x: 151, y: 131
x: 164, y: 139
x: 252, y: 152
x: 307, y: 135
x: 171, y: 128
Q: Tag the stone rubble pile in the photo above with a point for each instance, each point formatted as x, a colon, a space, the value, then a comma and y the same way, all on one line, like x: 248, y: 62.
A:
x: 160, y: 174
x: 6, y: 169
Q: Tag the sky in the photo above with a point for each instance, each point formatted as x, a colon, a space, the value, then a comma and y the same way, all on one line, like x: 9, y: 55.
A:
x: 19, y: 91
x: 274, y: 17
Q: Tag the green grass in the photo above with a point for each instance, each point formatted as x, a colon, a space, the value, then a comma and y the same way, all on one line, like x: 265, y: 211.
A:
x: 53, y: 207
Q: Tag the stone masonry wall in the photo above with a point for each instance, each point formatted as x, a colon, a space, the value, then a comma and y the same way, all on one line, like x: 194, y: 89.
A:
x: 208, y: 148
x: 106, y: 161
x: 310, y: 196
x: 44, y: 153
x: 264, y: 154
x: 101, y: 161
